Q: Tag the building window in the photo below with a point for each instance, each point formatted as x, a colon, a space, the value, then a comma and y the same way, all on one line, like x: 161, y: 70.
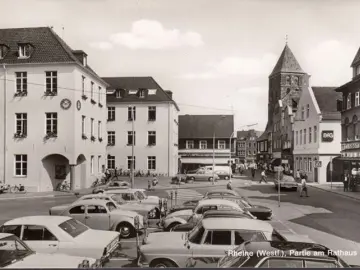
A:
x: 83, y: 85
x: 111, y: 114
x: 151, y: 163
x: 51, y: 82
x: 310, y: 135
x: 203, y: 144
x: 21, y: 82
x: 133, y: 92
x: 357, y: 99
x: 98, y: 164
x: 357, y: 70
x: 142, y: 93
x: 310, y: 165
x: 131, y: 138
x: 152, y: 138
x: 118, y: 93
x: 92, y: 165
x: 51, y: 123
x: 307, y: 111
x: 189, y: 144
x: 99, y: 95
x: 315, y: 134
x: 249, y: 153
x: 305, y: 136
x: 111, y: 137
x: 302, y: 113
x: 21, y: 165
x: 24, y: 50
x: 296, y: 80
x: 92, y: 127
x: 83, y: 124
x: 99, y: 129
x: 221, y: 144
x: 92, y: 90
x: 348, y: 101
x: 152, y: 113
x: 131, y: 163
x: 287, y: 80
x: 3, y: 50
x: 21, y: 124
x: 296, y: 137
x: 111, y: 162
x: 300, y: 137
x: 131, y: 113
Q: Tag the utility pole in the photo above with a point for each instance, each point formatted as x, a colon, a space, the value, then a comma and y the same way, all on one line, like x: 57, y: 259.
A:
x: 132, y: 148
x: 213, y: 168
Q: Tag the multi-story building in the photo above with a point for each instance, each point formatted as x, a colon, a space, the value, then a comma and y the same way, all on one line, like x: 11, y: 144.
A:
x: 317, y: 132
x: 286, y: 83
x: 246, y: 148
x: 141, y: 113
x: 196, y: 140
x: 350, y: 124
x: 52, y: 112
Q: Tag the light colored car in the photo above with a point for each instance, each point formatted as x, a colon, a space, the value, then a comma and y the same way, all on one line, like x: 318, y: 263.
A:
x: 60, y: 234
x: 182, y: 216
x: 141, y: 209
x: 104, y: 215
x: 286, y: 182
x: 202, y: 175
x: 111, y: 185
x: 209, y: 239
x: 143, y: 197
x: 135, y: 196
x: 14, y: 253
x: 222, y: 192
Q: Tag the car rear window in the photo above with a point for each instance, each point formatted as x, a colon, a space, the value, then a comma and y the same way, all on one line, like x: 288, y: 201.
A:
x: 73, y: 227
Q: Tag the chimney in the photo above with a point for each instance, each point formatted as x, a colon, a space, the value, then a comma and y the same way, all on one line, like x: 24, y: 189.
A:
x: 169, y: 93
x: 81, y: 56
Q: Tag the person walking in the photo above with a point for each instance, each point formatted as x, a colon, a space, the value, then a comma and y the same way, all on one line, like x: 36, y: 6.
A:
x: 346, y: 182
x: 303, y: 186
x: 298, y: 176
x: 263, y: 177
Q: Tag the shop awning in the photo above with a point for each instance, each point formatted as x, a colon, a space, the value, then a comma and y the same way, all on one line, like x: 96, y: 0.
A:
x: 204, y: 160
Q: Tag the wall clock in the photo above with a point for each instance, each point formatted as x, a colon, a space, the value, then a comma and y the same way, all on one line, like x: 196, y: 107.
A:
x: 65, y: 103
x: 78, y: 105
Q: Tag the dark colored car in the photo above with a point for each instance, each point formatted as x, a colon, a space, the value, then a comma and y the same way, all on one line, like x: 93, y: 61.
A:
x: 209, y: 214
x: 282, y: 254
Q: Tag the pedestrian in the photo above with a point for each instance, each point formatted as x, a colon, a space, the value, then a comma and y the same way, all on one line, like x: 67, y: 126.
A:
x: 303, y: 186
x: 346, y: 183
x: 263, y: 177
x: 253, y: 172
x: 229, y: 186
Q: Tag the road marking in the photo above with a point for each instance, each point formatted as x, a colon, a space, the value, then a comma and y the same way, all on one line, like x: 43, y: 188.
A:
x: 27, y: 197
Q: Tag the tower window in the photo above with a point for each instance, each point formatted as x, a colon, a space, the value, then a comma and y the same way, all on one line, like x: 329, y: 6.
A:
x: 287, y: 80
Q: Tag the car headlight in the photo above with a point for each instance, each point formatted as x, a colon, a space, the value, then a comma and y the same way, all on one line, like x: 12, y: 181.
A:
x: 96, y: 264
x: 84, y: 264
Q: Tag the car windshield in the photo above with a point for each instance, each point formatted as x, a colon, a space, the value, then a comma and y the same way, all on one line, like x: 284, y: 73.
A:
x: 232, y: 259
x: 73, y: 227
x: 12, y: 249
x: 118, y: 199
x: 196, y: 234
x: 245, y: 203
x: 140, y: 195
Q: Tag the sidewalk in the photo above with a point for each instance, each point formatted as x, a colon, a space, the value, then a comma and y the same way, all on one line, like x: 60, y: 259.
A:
x: 336, y: 188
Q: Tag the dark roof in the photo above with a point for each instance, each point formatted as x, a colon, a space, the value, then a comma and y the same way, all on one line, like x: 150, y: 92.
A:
x: 123, y: 84
x: 356, y: 58
x: 245, y: 134
x: 242, y: 134
x: 327, y: 99
x: 287, y: 63
x: 203, y: 126
x: 46, y: 47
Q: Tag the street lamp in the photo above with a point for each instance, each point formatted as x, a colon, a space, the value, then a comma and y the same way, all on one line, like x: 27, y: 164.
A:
x: 213, y: 168
x: 231, y: 136
x: 132, y: 148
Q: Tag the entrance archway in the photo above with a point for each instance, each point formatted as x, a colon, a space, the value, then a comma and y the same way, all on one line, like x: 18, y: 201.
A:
x: 57, y: 168
x: 337, y: 171
x: 81, y: 170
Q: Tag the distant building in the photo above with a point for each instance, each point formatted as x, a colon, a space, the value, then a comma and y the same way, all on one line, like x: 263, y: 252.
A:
x: 317, y: 132
x: 196, y: 145
x: 52, y: 113
x: 141, y: 102
x: 246, y: 149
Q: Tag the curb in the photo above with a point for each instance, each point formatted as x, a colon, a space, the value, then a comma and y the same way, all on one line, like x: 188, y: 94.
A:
x: 340, y: 194
x: 27, y: 197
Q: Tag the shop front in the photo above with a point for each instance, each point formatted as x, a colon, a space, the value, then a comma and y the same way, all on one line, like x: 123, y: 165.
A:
x: 350, y: 162
x: 191, y: 162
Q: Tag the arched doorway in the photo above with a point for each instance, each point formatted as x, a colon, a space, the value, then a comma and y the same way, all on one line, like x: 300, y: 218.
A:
x: 81, y: 170
x: 335, y: 175
x: 57, y: 170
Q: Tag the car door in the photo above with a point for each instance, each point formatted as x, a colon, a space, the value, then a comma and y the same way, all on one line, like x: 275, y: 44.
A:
x: 97, y: 217
x: 200, y: 175
x: 280, y: 263
x: 40, y: 239
x: 241, y: 236
x: 78, y: 213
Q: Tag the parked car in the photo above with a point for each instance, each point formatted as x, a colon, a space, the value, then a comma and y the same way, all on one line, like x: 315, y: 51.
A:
x: 223, y: 174
x: 141, y: 209
x: 211, y: 236
x: 307, y: 255
x: 111, y: 185
x: 134, y: 196
x: 45, y: 234
x: 14, y: 253
x: 202, y: 175
x: 208, y: 214
x: 222, y: 192
x: 104, y: 215
x: 143, y: 197
x: 181, y: 217
x: 286, y: 182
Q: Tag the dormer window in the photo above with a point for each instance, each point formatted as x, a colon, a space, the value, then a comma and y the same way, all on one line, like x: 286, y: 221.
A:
x: 24, y: 50
x: 133, y: 92
x: 3, y: 50
x: 152, y: 92
x: 287, y: 80
x: 118, y: 93
x: 348, y: 101
x: 357, y: 72
x: 142, y: 93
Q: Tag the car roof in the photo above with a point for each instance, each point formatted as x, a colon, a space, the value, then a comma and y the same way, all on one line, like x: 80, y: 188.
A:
x: 91, y: 202
x: 98, y: 195
x: 38, y: 220
x: 223, y: 213
x: 113, y: 191
x: 218, y: 201
x: 3, y: 235
x: 223, y: 190
x: 236, y: 223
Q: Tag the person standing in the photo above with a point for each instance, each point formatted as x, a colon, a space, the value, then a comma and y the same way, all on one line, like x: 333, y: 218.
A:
x: 263, y: 177
x: 303, y: 187
x: 346, y: 182
x: 298, y: 177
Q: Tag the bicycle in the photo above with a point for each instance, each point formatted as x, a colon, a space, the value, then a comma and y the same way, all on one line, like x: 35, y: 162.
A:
x: 63, y: 186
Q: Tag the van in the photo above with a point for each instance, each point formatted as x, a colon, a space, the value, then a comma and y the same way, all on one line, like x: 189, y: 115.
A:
x: 218, y: 168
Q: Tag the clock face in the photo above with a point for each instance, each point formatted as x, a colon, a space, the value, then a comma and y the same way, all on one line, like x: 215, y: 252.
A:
x: 78, y: 105
x: 65, y: 104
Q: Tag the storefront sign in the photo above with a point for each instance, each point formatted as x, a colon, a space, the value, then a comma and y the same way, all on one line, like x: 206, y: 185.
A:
x: 327, y: 135
x: 346, y: 146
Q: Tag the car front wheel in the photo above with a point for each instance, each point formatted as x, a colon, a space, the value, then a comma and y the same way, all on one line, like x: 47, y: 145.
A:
x: 163, y: 264
x: 125, y: 229
x: 227, y: 177
x: 172, y: 225
x: 210, y: 179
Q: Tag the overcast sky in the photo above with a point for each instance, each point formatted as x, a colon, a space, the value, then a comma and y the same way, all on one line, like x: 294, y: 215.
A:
x: 211, y: 53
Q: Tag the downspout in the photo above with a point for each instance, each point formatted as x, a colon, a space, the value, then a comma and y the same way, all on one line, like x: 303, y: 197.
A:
x: 169, y: 139
x: 5, y: 103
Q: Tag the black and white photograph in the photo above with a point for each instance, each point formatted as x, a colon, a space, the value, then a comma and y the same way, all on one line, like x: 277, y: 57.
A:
x: 179, y: 134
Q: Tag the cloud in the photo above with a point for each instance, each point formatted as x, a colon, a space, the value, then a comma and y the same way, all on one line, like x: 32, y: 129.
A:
x: 329, y: 63
x: 148, y: 34
x: 230, y: 66
x: 102, y: 45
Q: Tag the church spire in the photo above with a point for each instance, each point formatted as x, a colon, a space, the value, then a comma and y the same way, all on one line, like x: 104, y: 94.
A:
x: 287, y: 62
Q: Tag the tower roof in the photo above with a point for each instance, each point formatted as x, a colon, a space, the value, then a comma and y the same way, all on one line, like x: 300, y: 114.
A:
x: 287, y: 63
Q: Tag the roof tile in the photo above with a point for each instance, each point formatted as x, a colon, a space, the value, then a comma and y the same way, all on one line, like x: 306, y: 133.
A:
x: 327, y: 98
x: 287, y: 63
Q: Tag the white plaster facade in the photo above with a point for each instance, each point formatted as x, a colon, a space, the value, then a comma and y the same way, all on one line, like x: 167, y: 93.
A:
x: 314, y: 149
x: 69, y: 148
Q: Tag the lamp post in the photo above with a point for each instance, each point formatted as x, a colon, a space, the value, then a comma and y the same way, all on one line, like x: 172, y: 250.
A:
x: 213, y: 168
x: 132, y: 149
